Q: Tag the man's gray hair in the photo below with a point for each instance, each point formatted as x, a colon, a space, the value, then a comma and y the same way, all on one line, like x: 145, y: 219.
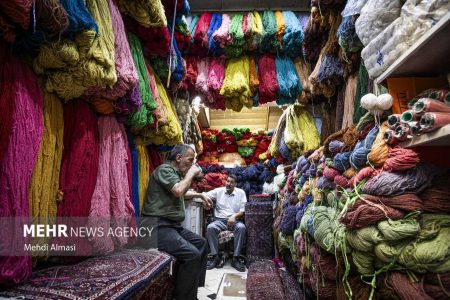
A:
x: 181, y: 149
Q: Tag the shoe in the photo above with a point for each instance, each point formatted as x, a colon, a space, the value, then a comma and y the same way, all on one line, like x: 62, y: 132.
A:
x: 214, y: 263
x: 236, y: 263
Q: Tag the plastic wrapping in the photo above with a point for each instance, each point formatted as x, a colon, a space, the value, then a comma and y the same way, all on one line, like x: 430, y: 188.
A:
x: 353, y: 7
x: 375, y: 16
x: 417, y: 17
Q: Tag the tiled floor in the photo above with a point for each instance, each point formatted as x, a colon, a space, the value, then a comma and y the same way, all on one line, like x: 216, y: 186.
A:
x: 218, y: 285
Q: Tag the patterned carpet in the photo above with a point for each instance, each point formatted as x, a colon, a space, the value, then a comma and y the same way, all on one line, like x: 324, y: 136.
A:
x: 128, y: 274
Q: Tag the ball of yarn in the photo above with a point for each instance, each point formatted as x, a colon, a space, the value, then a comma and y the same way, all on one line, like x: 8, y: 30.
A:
x: 369, y: 101
x: 335, y: 146
x: 330, y: 173
x: 384, y: 101
x: 341, y: 181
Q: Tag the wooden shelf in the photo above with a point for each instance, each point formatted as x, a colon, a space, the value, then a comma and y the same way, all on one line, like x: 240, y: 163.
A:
x: 247, y: 5
x: 440, y: 137
x: 428, y: 56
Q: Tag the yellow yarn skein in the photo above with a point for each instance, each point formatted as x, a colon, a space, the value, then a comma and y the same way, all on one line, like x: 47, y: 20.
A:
x: 148, y: 13
x: 71, y: 67
x: 169, y: 133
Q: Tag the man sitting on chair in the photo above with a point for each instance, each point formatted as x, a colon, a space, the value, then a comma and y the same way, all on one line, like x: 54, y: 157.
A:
x: 229, y: 208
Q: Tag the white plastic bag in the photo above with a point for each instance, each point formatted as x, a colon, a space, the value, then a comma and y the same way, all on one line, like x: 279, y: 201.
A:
x: 417, y: 17
x: 375, y: 16
x: 353, y: 7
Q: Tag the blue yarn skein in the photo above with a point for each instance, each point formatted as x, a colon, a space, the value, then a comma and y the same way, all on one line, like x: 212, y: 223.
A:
x: 293, y: 35
x: 80, y: 18
x: 341, y: 161
x: 289, y: 84
x: 358, y: 157
x: 214, y: 25
x: 288, y: 222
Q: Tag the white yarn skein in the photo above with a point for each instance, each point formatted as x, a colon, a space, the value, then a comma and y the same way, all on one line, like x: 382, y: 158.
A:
x: 384, y: 101
x: 369, y: 102
x: 376, y: 105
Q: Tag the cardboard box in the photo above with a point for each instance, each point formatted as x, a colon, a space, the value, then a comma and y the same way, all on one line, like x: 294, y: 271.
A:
x: 403, y: 89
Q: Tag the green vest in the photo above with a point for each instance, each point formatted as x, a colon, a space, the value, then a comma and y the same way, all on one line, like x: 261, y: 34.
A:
x: 159, y: 201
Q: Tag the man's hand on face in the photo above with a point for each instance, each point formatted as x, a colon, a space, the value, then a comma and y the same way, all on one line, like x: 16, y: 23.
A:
x: 231, y: 221
x: 195, y: 170
x: 207, y: 202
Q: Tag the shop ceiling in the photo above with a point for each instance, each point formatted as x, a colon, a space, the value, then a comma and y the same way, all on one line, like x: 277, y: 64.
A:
x: 246, y: 5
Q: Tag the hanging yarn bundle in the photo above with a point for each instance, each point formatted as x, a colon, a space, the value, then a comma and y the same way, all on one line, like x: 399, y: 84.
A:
x: 160, y: 112
x: 155, y: 40
x: 347, y: 37
x: 281, y: 28
x: 236, y: 86
x: 182, y: 35
x: 362, y: 88
x: 133, y: 180
x: 247, y: 23
x: 111, y: 197
x: 144, y: 116
x: 277, y: 135
x: 12, y: 14
x: 169, y: 133
x: 268, y: 87
x: 144, y: 170
x: 254, y: 80
x: 80, y: 19
x: 328, y: 70
x: 192, y: 21
x: 71, y: 67
x: 293, y: 136
x: 237, y: 35
x: 79, y: 167
x: 44, y: 185
x: 222, y: 35
x: 7, y: 106
x: 175, y: 62
x: 127, y: 77
x: 19, y: 156
x: 216, y: 76
x: 213, y: 45
x: 50, y: 19
x: 201, y: 84
x: 148, y: 13
x: 269, y: 40
x: 191, y: 72
x: 288, y: 82
x: 349, y: 99
x: 293, y: 35
x: 201, y: 41
x: 256, y: 32
x: 303, y: 71
x: 182, y: 8
x: 316, y: 35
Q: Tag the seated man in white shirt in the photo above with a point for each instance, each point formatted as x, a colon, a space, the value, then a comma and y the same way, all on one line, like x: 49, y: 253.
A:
x: 229, y: 208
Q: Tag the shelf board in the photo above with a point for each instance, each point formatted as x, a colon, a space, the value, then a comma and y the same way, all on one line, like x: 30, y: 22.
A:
x: 440, y: 137
x: 428, y: 56
x: 247, y: 5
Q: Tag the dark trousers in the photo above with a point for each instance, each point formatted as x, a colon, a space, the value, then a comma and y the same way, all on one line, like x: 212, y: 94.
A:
x: 191, y: 252
x: 219, y: 225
